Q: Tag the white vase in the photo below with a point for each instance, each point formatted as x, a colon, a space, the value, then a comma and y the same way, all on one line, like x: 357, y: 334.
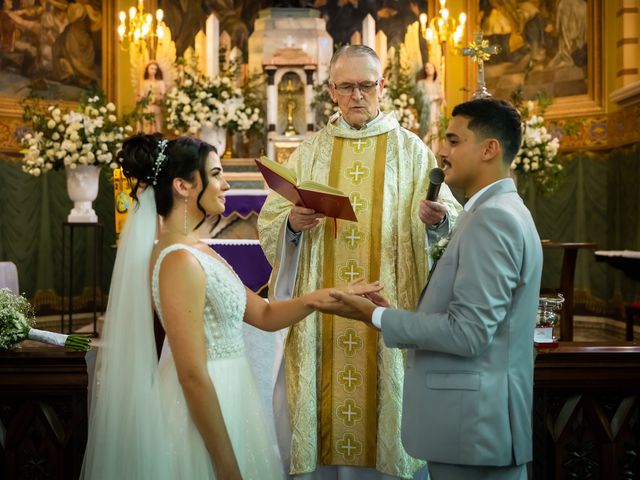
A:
x: 82, y: 187
x: 215, y: 136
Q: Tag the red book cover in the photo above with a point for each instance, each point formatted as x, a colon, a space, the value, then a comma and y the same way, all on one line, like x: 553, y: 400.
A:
x: 282, y: 180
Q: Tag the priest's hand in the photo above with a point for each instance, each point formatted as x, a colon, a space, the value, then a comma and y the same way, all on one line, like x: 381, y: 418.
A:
x: 301, y: 218
x: 346, y: 305
x: 432, y: 213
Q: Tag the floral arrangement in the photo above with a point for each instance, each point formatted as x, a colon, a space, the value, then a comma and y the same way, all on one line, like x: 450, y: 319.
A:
x: 89, y: 136
x: 437, y: 250
x: 538, y: 154
x: 400, y: 92
x: 16, y: 324
x: 248, y: 114
x: 404, y: 107
x: 322, y: 103
x: 197, y: 100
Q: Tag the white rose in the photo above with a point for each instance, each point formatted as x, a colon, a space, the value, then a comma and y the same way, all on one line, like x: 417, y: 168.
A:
x: 35, y: 172
x: 111, y: 107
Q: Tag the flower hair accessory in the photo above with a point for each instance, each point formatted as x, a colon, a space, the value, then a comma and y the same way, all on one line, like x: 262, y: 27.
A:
x: 160, y: 160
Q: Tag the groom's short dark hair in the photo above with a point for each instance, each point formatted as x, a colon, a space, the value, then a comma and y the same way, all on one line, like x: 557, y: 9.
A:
x: 494, y: 118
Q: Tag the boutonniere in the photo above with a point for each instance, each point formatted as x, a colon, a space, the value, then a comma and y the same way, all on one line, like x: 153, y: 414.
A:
x: 436, y: 251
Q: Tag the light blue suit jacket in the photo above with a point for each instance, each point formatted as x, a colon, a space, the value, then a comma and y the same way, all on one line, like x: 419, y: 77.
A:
x: 468, y: 388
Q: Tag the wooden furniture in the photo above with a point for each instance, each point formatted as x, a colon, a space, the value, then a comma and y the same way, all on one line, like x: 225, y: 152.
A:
x: 629, y: 262
x: 569, y: 256
x: 67, y: 265
x: 586, y: 412
x: 43, y: 413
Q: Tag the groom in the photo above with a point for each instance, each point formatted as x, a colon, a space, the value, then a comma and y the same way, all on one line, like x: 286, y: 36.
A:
x: 468, y: 387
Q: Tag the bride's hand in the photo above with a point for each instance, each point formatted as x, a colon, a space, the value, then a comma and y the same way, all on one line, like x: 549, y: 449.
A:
x: 370, y: 291
x: 358, y: 287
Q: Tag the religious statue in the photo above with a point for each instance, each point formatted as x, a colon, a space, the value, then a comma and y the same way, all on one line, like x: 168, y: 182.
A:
x: 154, y: 87
x: 152, y: 76
x: 291, y: 105
x: 432, y: 102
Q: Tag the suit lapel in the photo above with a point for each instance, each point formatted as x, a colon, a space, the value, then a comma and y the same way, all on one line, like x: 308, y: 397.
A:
x: 498, y: 188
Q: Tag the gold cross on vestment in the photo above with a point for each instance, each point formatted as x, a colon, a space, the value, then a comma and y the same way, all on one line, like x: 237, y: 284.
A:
x: 350, y: 342
x: 357, y: 202
x: 480, y: 51
x: 358, y: 170
x: 349, y: 378
x: 349, y: 446
x: 359, y: 145
x: 349, y: 412
x: 352, y: 236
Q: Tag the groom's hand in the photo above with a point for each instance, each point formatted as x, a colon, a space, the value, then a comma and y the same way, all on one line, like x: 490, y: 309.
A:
x: 346, y: 305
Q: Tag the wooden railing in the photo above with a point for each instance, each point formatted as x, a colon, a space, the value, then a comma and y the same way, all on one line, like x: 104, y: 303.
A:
x: 586, y: 416
x: 43, y: 413
x: 586, y: 412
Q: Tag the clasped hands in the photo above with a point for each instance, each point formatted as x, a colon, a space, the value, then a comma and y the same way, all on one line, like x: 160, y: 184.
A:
x: 357, y: 300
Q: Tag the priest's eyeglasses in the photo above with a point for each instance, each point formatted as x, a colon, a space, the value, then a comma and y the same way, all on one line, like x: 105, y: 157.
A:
x: 348, y: 88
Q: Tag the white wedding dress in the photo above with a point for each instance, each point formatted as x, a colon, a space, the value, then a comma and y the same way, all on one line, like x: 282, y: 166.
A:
x: 231, y: 374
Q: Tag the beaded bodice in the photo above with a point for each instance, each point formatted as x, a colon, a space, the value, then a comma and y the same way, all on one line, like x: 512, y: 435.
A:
x: 224, y: 306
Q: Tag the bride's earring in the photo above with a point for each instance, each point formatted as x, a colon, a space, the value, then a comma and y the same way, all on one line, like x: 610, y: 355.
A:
x: 186, y: 199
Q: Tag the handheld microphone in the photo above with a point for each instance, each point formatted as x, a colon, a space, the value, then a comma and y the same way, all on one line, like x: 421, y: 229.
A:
x: 436, y: 177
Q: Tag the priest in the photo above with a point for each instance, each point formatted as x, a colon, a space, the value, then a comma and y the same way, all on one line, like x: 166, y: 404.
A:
x: 338, y: 396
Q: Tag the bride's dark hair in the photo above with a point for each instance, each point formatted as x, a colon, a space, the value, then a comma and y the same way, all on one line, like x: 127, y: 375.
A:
x: 184, y: 157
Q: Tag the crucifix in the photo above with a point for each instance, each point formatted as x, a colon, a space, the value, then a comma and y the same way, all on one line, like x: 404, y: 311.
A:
x: 480, y: 51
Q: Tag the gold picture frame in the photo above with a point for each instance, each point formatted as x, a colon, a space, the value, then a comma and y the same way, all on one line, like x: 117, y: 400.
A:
x: 10, y: 109
x: 590, y: 101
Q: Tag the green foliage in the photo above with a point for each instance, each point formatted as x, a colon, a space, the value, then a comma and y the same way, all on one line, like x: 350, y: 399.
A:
x: 16, y: 319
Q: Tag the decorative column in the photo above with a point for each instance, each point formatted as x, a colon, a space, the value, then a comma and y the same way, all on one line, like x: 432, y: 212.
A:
x: 212, y: 29
x: 272, y: 108
x: 369, y: 32
x: 628, y: 49
x: 272, y: 98
x: 309, y: 110
x: 627, y: 45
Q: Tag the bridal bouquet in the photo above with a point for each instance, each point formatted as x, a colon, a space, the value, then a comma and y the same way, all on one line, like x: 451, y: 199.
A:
x: 92, y: 135
x: 17, y: 321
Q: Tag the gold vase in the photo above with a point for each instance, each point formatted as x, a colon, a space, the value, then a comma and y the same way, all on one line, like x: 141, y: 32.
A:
x: 228, y: 152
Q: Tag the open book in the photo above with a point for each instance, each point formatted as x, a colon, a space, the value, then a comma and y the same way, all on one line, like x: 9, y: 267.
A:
x: 321, y: 198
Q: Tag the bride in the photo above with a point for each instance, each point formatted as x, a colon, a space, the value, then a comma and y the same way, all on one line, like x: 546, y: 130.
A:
x: 195, y: 413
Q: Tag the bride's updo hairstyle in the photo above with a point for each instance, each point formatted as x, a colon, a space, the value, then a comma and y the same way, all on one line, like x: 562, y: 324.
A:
x: 151, y: 160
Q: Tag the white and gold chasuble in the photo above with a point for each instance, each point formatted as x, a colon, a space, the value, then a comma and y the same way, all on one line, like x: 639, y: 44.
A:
x: 343, y: 386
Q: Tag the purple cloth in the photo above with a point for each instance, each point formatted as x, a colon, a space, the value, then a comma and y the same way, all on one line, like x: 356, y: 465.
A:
x: 244, y: 204
x: 247, y: 259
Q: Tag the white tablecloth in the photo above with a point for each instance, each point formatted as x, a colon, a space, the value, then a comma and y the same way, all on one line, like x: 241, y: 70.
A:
x: 9, y: 276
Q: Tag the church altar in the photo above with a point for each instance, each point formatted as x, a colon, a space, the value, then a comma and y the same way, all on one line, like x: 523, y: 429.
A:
x: 244, y: 202
x: 247, y: 259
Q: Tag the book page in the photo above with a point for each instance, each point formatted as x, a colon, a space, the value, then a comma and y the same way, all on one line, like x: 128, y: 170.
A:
x: 281, y: 170
x: 319, y: 187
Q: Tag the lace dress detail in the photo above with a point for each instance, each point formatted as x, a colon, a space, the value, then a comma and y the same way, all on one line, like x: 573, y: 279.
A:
x: 231, y: 375
x: 225, y: 303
